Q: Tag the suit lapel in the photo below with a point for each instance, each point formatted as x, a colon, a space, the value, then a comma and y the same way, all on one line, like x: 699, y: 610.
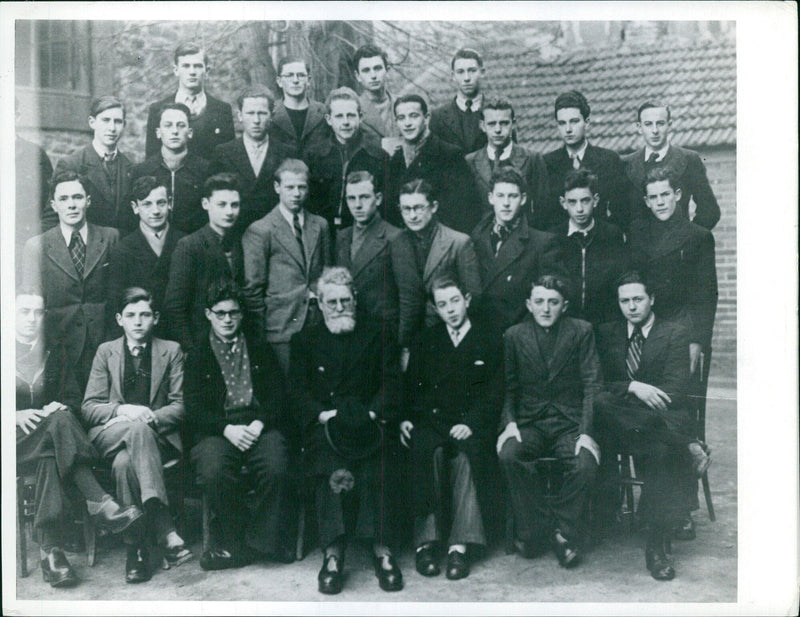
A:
x: 561, y: 350
x: 313, y: 117
x: 636, y: 167
x: 483, y: 166
x: 271, y: 162
x: 285, y: 236
x: 509, y: 252
x: 57, y: 251
x: 281, y: 120
x: 519, y: 156
x: 115, y: 370
x: 439, y: 249
x: 95, y: 248
x: 653, y: 346
x: 311, y: 231
x: 676, y: 160
x: 158, y: 359
x: 450, y: 118
x: 242, y: 161
x: 371, y: 247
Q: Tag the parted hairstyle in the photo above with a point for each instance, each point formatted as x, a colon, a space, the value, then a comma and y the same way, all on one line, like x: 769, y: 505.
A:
x: 225, y: 181
x: 221, y: 289
x: 354, y: 177
x: 498, y: 103
x: 132, y: 295
x: 102, y: 103
x: 554, y: 282
x: 145, y: 185
x: 334, y: 275
x: 445, y: 281
x: 256, y: 91
x: 659, y: 174
x: 418, y: 186
x: 177, y: 107
x: 369, y: 51
x: 189, y: 48
x: 651, y: 104
x: 66, y: 175
x: 632, y: 277
x: 342, y: 94
x: 295, y: 166
x: 413, y: 97
x: 581, y: 179
x: 466, y: 53
x: 290, y: 60
x: 508, y: 175
x: 572, y: 100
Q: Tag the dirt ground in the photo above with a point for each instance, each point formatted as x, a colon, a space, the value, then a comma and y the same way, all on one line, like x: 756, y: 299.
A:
x: 614, y: 571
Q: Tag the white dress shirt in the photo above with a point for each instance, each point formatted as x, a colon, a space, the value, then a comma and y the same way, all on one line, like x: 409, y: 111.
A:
x: 458, y: 335
x: 67, y: 232
x: 646, y: 327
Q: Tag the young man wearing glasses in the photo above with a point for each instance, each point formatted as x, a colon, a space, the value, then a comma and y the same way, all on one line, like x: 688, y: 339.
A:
x: 297, y: 121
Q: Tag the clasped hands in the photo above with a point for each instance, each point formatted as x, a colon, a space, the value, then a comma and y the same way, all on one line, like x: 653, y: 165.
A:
x: 28, y: 419
x: 243, y: 436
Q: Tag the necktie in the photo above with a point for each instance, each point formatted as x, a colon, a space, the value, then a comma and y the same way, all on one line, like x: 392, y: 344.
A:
x: 77, y: 250
x: 191, y: 103
x: 298, y: 233
x: 576, y: 162
x: 497, y: 162
x: 652, y: 159
x: 499, y: 235
x: 136, y: 350
x: 468, y: 105
x: 634, y: 352
x: 454, y: 336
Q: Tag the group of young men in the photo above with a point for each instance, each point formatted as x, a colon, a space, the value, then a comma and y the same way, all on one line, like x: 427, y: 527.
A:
x: 364, y: 303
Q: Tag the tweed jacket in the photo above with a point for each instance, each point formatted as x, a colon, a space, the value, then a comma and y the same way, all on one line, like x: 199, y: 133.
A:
x: 315, y: 130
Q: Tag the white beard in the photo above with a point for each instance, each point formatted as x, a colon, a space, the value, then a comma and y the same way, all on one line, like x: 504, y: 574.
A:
x: 340, y: 324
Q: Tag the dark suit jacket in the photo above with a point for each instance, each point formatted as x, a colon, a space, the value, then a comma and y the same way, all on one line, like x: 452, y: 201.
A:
x: 444, y: 167
x: 205, y: 392
x: 691, y: 178
x: 109, y: 202
x: 447, y: 124
x: 614, y: 187
x: 678, y: 258
x: 568, y: 381
x: 451, y: 253
x: 56, y: 382
x: 76, y: 308
x: 186, y: 186
x: 664, y: 364
x: 523, y: 257
x: 372, y: 268
x: 258, y: 194
x: 210, y: 129
x: 278, y: 277
x: 197, y: 261
x: 594, y: 271
x: 329, y: 171
x: 315, y: 130
x: 105, y: 391
x: 33, y: 212
x: 531, y: 167
x: 134, y: 264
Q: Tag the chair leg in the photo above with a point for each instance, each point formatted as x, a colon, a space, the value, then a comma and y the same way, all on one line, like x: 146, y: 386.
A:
x: 301, y: 532
x: 89, y: 538
x: 22, y: 530
x: 707, y: 493
x: 206, y: 524
x: 509, y: 540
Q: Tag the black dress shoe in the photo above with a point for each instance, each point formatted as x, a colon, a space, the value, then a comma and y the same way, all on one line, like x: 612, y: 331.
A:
x: 217, y: 559
x: 427, y: 561
x: 567, y: 553
x: 114, y: 518
x: 137, y: 565
x: 457, y: 565
x: 56, y: 569
x: 659, y: 564
x: 331, y: 579
x: 390, y: 578
x: 685, y: 530
x: 176, y: 555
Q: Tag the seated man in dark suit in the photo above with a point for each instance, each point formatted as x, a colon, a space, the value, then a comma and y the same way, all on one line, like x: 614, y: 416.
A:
x: 644, y: 412
x: 424, y: 155
x: 424, y: 250
x: 654, y: 122
x: 133, y: 407
x: 511, y: 255
x: 364, y: 249
x: 344, y: 382
x: 237, y: 415
x: 106, y: 170
x: 51, y: 442
x: 142, y: 258
x: 212, y: 252
x: 552, y: 377
x: 457, y: 122
x: 594, y: 253
x: 453, y: 397
x: 211, y: 119
x: 178, y: 167
x: 253, y: 156
x: 572, y: 119
x: 497, y: 121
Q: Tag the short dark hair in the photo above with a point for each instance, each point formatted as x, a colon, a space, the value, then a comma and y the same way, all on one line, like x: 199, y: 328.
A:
x: 660, y: 174
x: 500, y: 103
x: 581, y: 179
x: 633, y: 277
x: 145, y: 185
x: 66, y: 175
x: 256, y: 91
x: 650, y: 104
x: 412, y: 97
x: 572, y: 100
x: 102, y: 103
x: 295, y: 166
x: 466, y: 53
x: 369, y: 51
x: 354, y: 177
x: 221, y: 289
x: 342, y: 94
x: 508, y: 175
x: 554, y: 282
x: 132, y: 295
x: 289, y: 60
x: 418, y: 186
x: 445, y: 281
x: 177, y: 107
x: 189, y: 48
x: 225, y: 181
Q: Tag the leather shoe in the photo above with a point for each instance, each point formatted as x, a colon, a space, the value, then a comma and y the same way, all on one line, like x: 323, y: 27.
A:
x: 331, y: 579
x: 137, y: 565
x: 114, y: 518
x: 390, y: 578
x: 427, y: 561
x: 457, y: 565
x: 567, y: 553
x: 685, y: 530
x: 56, y: 569
x: 217, y: 559
x: 530, y: 549
x: 658, y: 564
x: 176, y: 555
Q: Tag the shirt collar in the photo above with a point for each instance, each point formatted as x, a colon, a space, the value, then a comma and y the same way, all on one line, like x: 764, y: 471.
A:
x: 173, y: 161
x: 101, y: 153
x: 573, y: 228
x: 67, y: 232
x: 648, y: 325
x: 462, y: 331
x: 149, y: 233
x: 230, y: 344
x: 375, y: 219
x: 289, y: 216
x: 506, y: 153
x: 130, y: 345
x: 251, y: 144
x: 579, y: 153
x: 183, y: 95
x: 461, y: 101
x: 661, y: 153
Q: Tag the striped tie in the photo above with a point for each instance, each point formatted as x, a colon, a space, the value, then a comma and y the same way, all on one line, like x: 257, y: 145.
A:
x: 298, y: 233
x: 634, y: 352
